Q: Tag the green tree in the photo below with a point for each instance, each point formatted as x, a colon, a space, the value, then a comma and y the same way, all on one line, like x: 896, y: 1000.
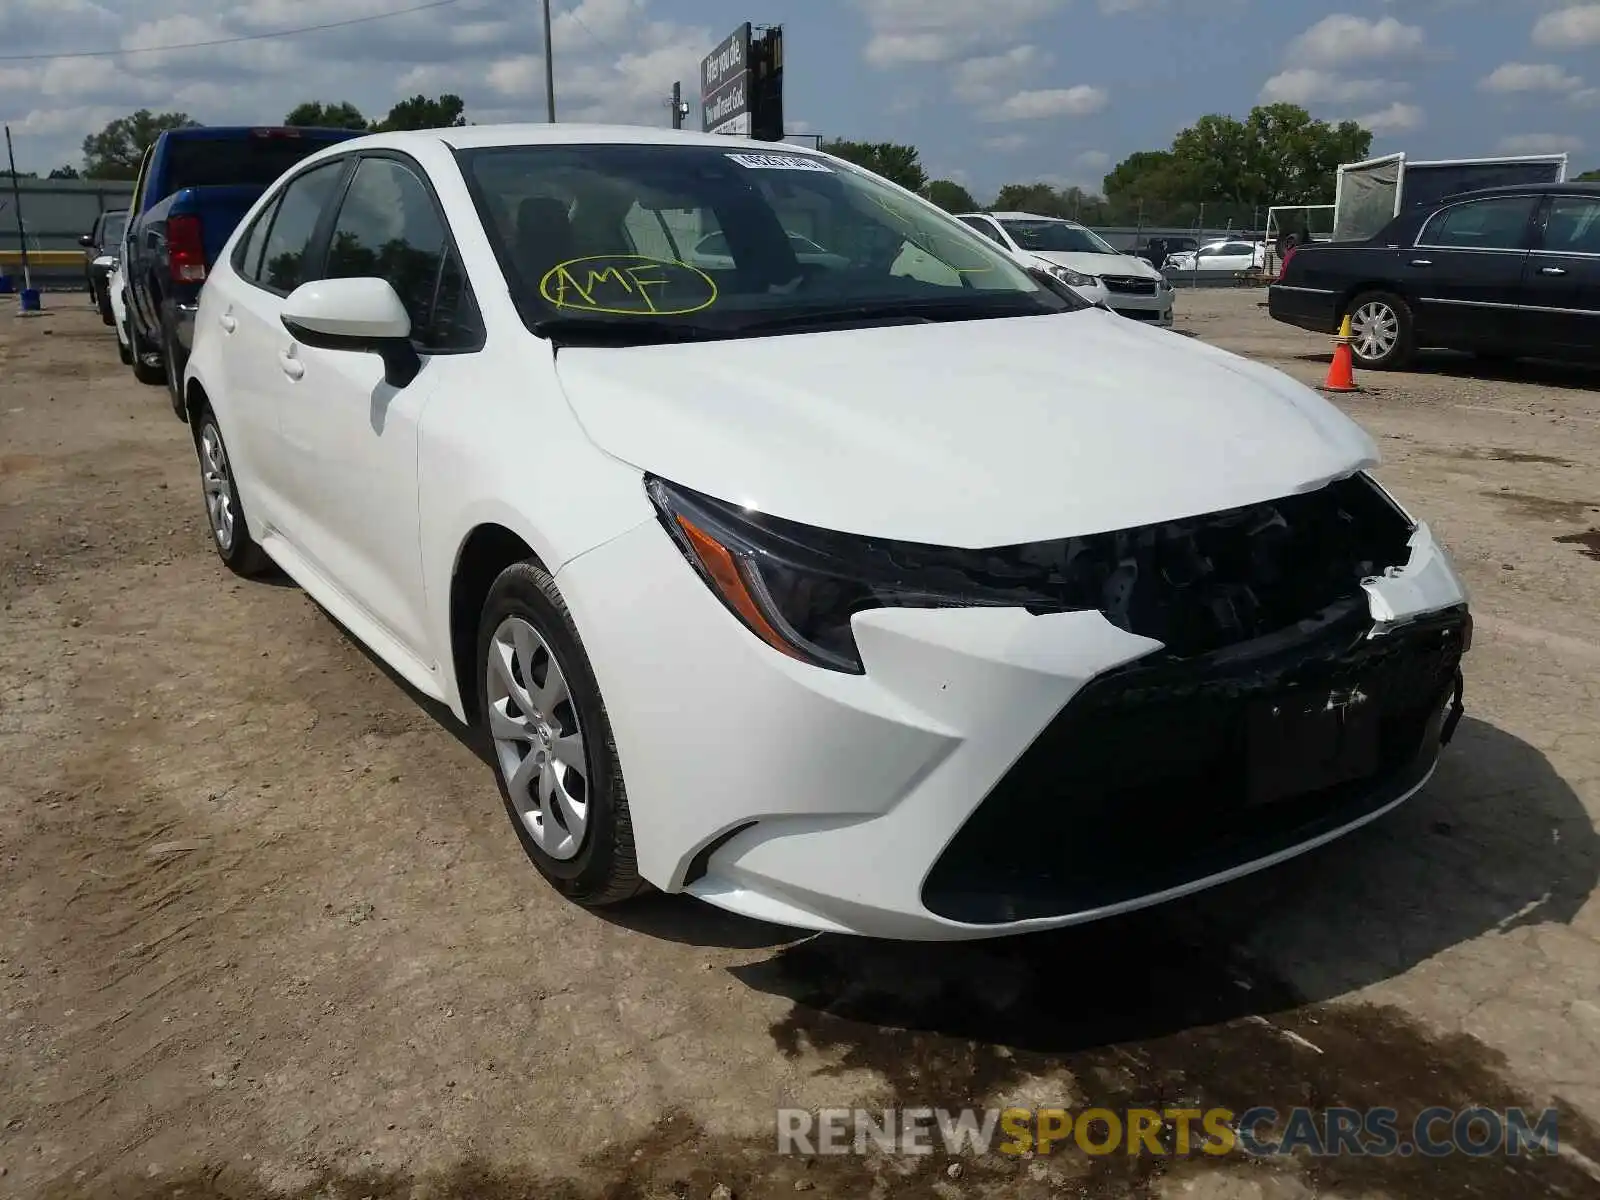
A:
x: 1590, y: 176
x: 1277, y: 155
x: 1038, y: 198
x: 65, y: 171
x: 312, y: 114
x: 115, y: 151
x: 898, y: 164
x: 950, y: 196
x: 419, y: 112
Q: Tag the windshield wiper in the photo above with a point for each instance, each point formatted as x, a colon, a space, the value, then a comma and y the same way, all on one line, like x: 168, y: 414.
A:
x: 620, y: 331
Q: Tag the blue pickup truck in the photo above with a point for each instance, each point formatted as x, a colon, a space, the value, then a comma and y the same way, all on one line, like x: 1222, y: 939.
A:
x: 193, y: 187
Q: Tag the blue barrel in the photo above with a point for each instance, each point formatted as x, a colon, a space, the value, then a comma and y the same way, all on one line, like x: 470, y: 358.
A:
x: 30, y: 299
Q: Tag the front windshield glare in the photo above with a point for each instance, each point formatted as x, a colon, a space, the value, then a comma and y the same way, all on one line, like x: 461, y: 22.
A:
x: 717, y: 239
x: 1056, y: 235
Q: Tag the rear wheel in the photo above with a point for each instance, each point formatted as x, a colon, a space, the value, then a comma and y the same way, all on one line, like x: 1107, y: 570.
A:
x: 554, y: 755
x: 147, y: 365
x: 1380, y: 331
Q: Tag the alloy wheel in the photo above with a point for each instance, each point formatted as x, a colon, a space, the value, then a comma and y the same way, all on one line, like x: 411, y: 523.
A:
x: 538, y: 740
x: 1374, y: 330
x: 217, y: 483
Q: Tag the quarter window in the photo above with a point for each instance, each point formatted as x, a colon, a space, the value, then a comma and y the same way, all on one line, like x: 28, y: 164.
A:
x: 389, y: 228
x: 283, y: 259
x: 1573, y: 226
x: 1498, y: 224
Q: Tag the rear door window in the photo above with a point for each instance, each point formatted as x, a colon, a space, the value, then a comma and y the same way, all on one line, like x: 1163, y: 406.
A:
x: 1500, y: 223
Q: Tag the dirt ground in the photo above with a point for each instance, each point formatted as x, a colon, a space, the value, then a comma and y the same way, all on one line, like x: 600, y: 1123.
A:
x: 266, y: 932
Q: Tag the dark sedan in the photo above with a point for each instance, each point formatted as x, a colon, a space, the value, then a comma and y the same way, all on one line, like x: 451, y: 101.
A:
x: 1504, y: 272
x: 105, y: 238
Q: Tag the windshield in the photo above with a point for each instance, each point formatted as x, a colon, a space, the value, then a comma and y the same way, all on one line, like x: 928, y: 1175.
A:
x: 1056, y: 235
x: 699, y: 240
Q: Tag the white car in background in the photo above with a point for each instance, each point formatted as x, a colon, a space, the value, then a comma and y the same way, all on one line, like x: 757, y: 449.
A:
x: 119, y: 314
x: 1082, y: 259
x: 907, y: 602
x: 1230, y: 256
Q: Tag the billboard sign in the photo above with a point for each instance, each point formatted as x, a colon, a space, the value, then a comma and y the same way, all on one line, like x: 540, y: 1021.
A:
x: 725, y: 85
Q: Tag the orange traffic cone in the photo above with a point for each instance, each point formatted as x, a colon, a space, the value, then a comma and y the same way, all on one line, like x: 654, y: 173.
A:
x: 1341, y: 371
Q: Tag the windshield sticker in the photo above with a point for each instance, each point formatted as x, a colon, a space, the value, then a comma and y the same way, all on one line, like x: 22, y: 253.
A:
x: 781, y: 162
x: 628, y: 285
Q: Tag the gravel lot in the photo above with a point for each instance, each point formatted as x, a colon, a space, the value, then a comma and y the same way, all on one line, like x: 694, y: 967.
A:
x: 267, y: 933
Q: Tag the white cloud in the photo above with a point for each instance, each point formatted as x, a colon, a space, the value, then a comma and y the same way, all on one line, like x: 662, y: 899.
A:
x: 1529, y: 77
x: 1307, y: 85
x: 1342, y: 38
x: 1539, y: 143
x: 1040, y: 103
x: 935, y: 31
x: 1092, y: 160
x: 1397, y: 118
x: 981, y: 78
x: 1568, y: 28
x: 1007, y: 143
x: 615, y: 61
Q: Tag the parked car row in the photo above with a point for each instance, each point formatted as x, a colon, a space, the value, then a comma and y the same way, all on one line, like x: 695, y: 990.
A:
x: 1503, y: 273
x: 863, y: 579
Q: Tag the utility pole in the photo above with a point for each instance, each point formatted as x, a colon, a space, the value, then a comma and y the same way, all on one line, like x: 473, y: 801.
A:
x: 679, y: 108
x: 549, y: 66
x: 16, y: 198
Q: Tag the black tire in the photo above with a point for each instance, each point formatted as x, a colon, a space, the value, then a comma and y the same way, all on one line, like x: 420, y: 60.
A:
x: 239, y: 551
x: 153, y: 376
x: 604, y: 870
x: 172, y: 363
x: 1404, y: 346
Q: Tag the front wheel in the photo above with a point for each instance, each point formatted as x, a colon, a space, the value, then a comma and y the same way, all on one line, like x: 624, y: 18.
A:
x: 1380, y: 331
x: 555, y: 758
x: 230, y: 533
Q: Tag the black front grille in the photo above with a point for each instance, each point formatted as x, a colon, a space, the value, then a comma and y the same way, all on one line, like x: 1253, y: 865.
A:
x: 1139, y: 314
x: 1160, y: 773
x: 1129, y: 285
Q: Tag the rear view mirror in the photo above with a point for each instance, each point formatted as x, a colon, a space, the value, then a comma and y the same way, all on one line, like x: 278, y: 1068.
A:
x: 361, y: 316
x: 87, y: 241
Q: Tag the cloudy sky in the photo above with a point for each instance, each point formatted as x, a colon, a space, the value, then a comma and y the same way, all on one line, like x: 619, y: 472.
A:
x: 990, y: 90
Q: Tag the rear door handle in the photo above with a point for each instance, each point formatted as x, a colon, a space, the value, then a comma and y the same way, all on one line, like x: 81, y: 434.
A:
x: 1422, y: 262
x: 292, y: 366
x: 228, y: 323
x: 1552, y: 271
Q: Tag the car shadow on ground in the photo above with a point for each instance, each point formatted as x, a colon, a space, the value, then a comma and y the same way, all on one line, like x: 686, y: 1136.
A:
x: 1580, y: 377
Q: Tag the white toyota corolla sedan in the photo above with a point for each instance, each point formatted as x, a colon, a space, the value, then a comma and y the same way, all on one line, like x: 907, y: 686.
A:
x: 898, y: 592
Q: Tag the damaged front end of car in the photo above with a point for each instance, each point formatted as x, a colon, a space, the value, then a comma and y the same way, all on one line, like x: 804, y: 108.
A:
x: 1309, y: 676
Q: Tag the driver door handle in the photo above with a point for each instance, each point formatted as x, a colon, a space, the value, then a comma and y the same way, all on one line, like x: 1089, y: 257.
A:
x: 292, y: 366
x: 1422, y: 262
x: 1552, y: 271
x: 228, y: 323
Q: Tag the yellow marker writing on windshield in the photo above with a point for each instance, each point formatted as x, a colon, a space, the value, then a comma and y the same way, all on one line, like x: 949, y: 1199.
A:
x: 628, y: 285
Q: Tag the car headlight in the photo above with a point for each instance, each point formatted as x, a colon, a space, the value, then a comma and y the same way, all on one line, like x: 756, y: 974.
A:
x: 796, y: 587
x: 1072, y: 278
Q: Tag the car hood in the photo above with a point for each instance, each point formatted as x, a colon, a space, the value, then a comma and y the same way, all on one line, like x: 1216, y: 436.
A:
x: 1099, y: 264
x: 968, y: 434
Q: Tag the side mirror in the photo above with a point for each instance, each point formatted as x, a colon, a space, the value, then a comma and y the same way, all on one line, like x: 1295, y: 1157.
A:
x: 361, y: 316
x: 87, y: 241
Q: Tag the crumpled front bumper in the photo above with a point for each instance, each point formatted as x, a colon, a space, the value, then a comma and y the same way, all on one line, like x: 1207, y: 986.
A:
x: 825, y: 801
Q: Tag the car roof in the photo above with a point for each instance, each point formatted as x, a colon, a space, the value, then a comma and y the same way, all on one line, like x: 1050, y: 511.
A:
x: 475, y: 137
x: 1024, y: 216
x: 1526, y: 189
